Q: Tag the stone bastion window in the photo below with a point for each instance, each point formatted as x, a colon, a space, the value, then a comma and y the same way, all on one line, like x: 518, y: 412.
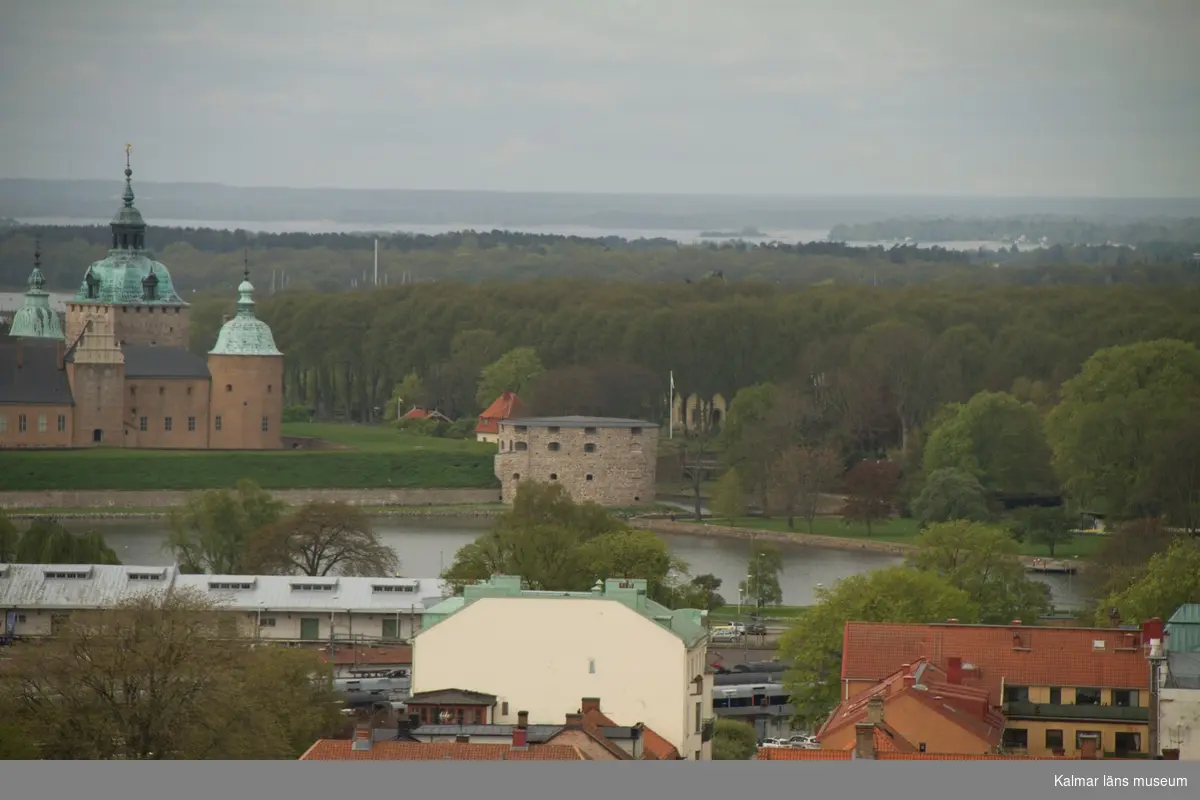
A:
x: 553, y: 447
x: 589, y: 448
x: 522, y: 446
x: 553, y: 476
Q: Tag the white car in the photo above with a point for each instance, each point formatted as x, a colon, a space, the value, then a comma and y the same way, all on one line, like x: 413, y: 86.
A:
x: 803, y: 742
x: 726, y: 635
x: 772, y: 743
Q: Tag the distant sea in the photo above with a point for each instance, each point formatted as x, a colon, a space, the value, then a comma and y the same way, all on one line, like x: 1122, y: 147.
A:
x: 794, y: 236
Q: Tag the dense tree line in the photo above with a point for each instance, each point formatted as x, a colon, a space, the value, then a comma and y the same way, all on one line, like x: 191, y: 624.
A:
x: 1055, y: 229
x: 202, y: 260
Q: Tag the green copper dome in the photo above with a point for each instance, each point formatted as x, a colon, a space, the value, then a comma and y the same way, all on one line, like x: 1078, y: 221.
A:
x: 128, y: 276
x: 245, y: 334
x: 37, y: 320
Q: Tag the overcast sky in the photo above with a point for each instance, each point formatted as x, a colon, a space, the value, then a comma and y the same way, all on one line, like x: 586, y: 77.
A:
x: 993, y: 97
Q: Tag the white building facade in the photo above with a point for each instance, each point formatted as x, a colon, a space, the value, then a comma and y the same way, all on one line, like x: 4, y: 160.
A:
x: 36, y: 598
x: 541, y: 652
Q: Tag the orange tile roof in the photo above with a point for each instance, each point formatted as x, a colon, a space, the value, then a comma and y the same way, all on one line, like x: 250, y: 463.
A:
x: 1043, y: 656
x: 790, y: 754
x: 387, y: 654
x: 417, y: 413
x: 965, y: 706
x: 506, y: 406
x: 654, y: 747
x: 341, y: 750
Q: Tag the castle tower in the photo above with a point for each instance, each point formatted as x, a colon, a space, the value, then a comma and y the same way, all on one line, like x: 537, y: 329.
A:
x: 247, y: 381
x: 96, y: 372
x: 36, y: 320
x: 128, y: 288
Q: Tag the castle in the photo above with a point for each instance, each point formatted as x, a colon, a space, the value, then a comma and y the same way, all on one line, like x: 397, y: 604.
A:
x: 119, y: 373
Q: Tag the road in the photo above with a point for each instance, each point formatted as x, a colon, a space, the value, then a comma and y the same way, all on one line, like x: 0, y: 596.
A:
x: 730, y: 656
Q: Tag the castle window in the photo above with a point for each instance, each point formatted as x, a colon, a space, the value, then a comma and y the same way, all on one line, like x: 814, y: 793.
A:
x: 143, y: 424
x: 166, y: 423
x: 3, y: 423
x: 22, y: 424
x: 553, y: 476
x: 132, y: 391
x: 62, y: 423
x: 522, y: 446
x: 553, y: 429
x: 268, y: 388
x: 189, y: 390
x: 587, y: 477
x: 217, y: 422
x: 636, y: 431
x: 229, y: 387
x: 162, y: 390
x: 191, y: 424
x: 41, y: 423
x: 589, y: 431
x: 266, y: 424
x: 589, y: 448
x: 516, y: 476
x: 553, y: 447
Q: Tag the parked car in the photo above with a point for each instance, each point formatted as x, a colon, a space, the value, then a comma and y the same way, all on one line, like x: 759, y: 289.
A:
x: 803, y: 742
x: 772, y: 743
x: 726, y: 635
x: 756, y: 629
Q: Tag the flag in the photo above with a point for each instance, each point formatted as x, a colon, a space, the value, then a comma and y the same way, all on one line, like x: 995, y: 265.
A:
x: 672, y: 380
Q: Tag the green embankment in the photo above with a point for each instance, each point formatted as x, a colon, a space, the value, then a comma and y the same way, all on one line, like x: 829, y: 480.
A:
x: 376, y: 458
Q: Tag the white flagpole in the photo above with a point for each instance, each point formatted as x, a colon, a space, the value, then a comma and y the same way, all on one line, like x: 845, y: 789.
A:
x: 671, y: 409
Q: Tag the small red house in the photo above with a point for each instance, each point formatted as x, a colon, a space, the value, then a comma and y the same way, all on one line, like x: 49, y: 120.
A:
x: 506, y: 406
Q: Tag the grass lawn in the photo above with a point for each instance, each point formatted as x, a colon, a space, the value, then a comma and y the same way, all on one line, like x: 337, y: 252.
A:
x: 382, y: 438
x: 903, y: 531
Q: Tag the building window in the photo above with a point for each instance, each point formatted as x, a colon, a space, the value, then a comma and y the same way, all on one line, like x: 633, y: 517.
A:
x: 391, y: 628
x: 587, y: 477
x: 1125, y: 743
x: 479, y: 716
x: 1082, y: 736
x: 41, y: 423
x: 699, y: 721
x: 3, y: 423
x: 589, y: 448
x: 166, y: 423
x: 1054, y: 740
x: 229, y: 387
x: 1125, y: 698
x: 266, y: 424
x: 1016, y: 694
x: 162, y: 390
x: 1087, y: 697
x: 591, y: 666
x: 143, y: 423
x: 553, y: 447
x: 62, y: 423
x: 217, y: 422
x: 589, y: 431
x: 266, y: 622
x: 268, y: 388
x: 191, y: 423
x: 635, y: 431
x: 504, y: 709
x: 1055, y: 696
x: 1016, y: 739
x: 189, y: 390
x: 132, y: 391
x: 521, y: 446
x: 22, y: 424
x: 459, y: 716
x: 553, y: 476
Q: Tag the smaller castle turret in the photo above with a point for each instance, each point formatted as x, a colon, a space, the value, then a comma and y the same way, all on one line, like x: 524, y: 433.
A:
x: 36, y: 319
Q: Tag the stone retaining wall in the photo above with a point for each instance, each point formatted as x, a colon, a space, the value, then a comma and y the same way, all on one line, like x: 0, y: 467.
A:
x: 116, y: 501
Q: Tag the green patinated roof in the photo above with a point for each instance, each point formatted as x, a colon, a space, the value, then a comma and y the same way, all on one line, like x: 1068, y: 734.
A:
x: 686, y: 623
x: 37, y: 320
x: 119, y: 280
x: 245, y: 334
x: 1183, y: 629
x: 128, y: 276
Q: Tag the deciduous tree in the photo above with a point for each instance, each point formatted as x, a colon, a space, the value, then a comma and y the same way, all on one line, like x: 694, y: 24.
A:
x: 514, y: 371
x: 1046, y: 526
x: 871, y: 487
x: 1170, y: 580
x: 150, y: 679
x: 728, y: 500
x: 801, y: 477
x: 762, y: 575
x: 320, y: 539
x: 47, y: 541
x: 812, y: 646
x: 950, y: 494
x: 210, y: 532
x: 733, y: 740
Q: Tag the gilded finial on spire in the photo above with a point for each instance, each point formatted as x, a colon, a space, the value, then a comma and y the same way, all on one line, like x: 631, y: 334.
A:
x: 128, y: 197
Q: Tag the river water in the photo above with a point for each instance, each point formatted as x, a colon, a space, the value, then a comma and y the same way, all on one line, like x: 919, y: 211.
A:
x: 426, y: 546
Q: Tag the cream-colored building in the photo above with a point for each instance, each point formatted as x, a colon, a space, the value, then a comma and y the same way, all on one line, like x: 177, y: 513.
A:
x: 541, y: 651
x: 36, y: 598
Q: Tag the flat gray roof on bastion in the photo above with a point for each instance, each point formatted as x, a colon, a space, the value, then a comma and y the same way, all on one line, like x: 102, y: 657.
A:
x: 578, y: 422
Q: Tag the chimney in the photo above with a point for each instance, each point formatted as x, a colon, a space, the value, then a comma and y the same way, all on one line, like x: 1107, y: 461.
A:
x: 574, y: 719
x: 590, y: 704
x: 520, y: 738
x: 875, y: 710
x: 954, y: 670
x: 522, y: 719
x: 864, y: 740
x: 462, y: 739
x: 362, y: 737
x: 910, y: 681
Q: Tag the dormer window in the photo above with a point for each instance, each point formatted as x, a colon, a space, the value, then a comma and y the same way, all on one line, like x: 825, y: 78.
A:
x: 93, y: 285
x: 150, y: 288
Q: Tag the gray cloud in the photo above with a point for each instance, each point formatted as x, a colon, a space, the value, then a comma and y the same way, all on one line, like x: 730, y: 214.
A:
x: 758, y: 96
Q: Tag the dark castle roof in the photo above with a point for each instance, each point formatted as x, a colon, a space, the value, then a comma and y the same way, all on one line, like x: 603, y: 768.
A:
x: 153, y: 361
x: 38, y: 380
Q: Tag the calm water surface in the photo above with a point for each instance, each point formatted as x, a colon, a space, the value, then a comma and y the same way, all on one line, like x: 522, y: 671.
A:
x: 426, y: 546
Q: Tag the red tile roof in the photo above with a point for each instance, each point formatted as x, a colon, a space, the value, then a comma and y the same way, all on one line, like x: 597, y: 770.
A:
x: 386, y: 654
x: 654, y: 747
x: 506, y: 406
x: 417, y: 413
x: 965, y: 706
x: 341, y: 750
x: 788, y: 754
x: 1012, y: 654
